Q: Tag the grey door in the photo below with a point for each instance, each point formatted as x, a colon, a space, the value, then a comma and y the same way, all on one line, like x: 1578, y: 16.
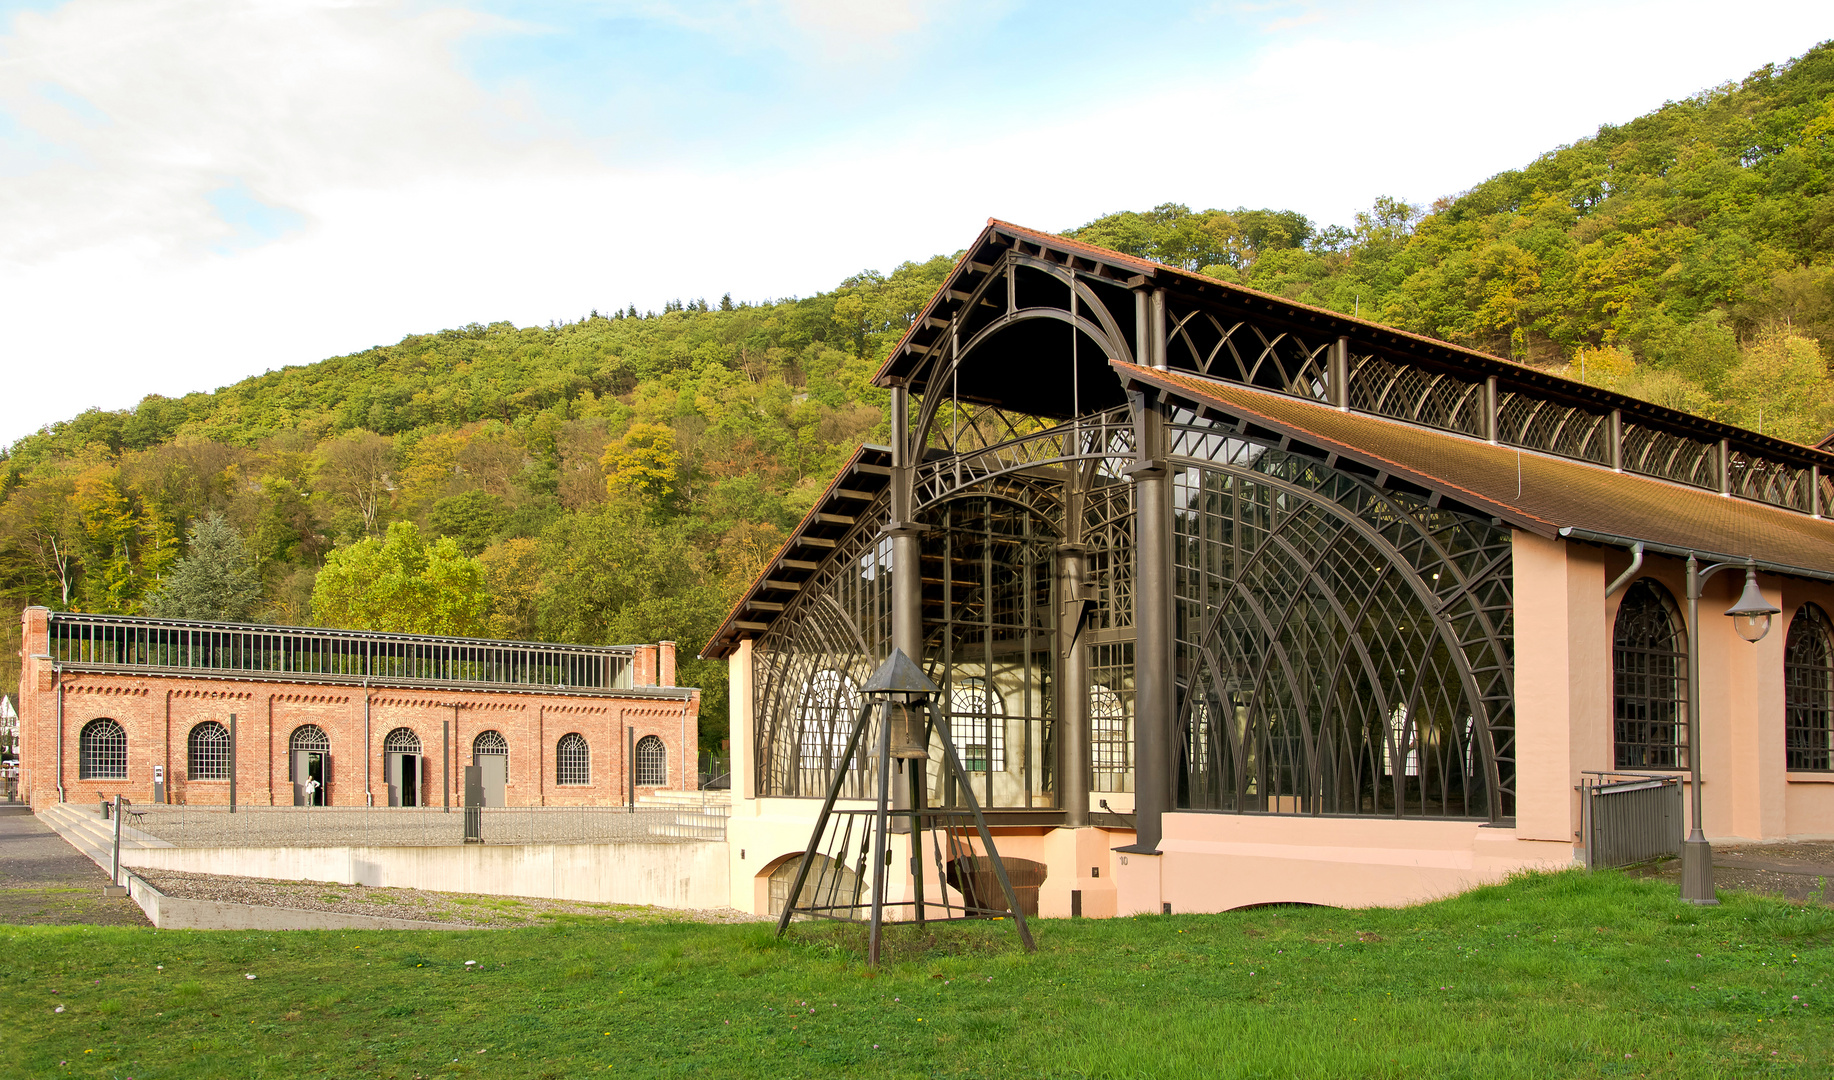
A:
x: 495, y: 768
x: 402, y: 774
x: 311, y: 770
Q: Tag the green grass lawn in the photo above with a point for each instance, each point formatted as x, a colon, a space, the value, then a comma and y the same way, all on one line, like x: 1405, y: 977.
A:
x: 1546, y: 976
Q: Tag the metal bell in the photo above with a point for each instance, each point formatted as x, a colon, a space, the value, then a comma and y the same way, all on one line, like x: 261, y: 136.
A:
x: 908, y: 741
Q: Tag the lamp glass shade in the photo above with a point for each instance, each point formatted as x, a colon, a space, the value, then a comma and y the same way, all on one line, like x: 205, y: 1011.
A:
x: 1751, y: 614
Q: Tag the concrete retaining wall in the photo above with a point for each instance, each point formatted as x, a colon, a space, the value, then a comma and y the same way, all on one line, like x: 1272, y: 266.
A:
x: 679, y: 875
x: 172, y: 913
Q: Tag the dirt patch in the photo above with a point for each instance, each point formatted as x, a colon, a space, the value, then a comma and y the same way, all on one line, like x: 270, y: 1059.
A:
x: 459, y: 909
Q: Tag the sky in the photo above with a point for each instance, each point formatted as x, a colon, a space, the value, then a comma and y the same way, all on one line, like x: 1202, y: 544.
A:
x: 195, y: 191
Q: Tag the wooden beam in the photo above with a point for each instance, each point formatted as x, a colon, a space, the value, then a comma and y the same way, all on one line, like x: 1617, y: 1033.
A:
x: 764, y: 605
x: 854, y: 493
x: 835, y: 519
x: 798, y: 564
x: 874, y: 470
x: 783, y: 586
x: 815, y: 542
x: 742, y: 625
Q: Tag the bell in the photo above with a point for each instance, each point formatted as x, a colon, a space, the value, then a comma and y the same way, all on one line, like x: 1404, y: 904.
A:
x: 908, y: 741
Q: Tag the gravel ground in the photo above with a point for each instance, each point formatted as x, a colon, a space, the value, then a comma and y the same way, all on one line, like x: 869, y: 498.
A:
x: 466, y: 909
x: 290, y: 826
x: 1801, y: 872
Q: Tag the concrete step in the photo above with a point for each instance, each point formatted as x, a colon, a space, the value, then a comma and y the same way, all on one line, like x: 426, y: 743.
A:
x: 73, y: 821
x: 682, y: 799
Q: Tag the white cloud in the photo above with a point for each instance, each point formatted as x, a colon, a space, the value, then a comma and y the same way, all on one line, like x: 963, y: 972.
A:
x: 429, y: 203
x: 178, y: 98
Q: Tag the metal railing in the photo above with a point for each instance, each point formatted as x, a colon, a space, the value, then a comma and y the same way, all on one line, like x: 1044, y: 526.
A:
x: 360, y: 826
x: 1631, y: 820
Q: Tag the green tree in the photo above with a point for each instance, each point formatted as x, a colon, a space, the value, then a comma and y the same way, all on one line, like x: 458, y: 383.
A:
x: 216, y: 580
x: 402, y: 584
x: 643, y: 462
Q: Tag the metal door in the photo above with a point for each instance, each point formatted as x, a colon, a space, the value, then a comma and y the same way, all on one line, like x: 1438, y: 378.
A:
x: 310, y: 772
x: 402, y: 774
x: 495, y: 773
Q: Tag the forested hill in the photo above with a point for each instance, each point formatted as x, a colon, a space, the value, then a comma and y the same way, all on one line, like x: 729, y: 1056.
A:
x: 620, y: 478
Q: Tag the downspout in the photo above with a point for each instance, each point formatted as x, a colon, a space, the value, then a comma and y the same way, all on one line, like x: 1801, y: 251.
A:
x: 369, y: 795
x: 57, y: 676
x: 1636, y: 563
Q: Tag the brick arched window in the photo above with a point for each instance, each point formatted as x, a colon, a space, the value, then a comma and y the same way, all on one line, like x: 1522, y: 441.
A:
x: 652, y: 762
x: 490, y: 744
x: 572, y: 760
x: 401, y: 741
x: 1650, y: 681
x: 101, y: 751
x: 309, y: 737
x: 207, y: 752
x: 1808, y: 693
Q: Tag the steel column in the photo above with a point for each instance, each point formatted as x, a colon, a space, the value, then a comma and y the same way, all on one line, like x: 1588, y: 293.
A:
x: 1155, y: 693
x: 1075, y: 768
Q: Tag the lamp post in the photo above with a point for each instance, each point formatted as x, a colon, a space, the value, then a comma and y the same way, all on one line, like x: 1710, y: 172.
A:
x: 1751, y: 618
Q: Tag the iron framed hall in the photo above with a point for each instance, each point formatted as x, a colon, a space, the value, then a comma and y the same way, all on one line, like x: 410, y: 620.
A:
x: 1235, y: 600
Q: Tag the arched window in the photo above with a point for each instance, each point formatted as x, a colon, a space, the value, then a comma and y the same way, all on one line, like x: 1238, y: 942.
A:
x: 401, y: 741
x: 652, y: 762
x: 977, y: 719
x: 1108, y: 741
x: 309, y: 737
x: 490, y: 744
x: 1650, y: 685
x: 101, y: 751
x: 824, y: 719
x: 1808, y: 693
x: 207, y: 752
x: 572, y: 760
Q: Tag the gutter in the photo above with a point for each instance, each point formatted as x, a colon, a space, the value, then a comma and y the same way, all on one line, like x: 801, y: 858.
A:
x: 1613, y: 540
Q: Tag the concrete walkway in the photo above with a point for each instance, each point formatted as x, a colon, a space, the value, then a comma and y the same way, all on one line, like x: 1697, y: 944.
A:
x: 43, y: 880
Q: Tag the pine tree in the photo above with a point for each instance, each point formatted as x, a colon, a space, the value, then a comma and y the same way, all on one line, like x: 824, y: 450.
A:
x: 216, y: 580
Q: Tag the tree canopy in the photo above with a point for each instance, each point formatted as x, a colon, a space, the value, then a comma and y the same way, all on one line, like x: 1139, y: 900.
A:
x: 621, y: 477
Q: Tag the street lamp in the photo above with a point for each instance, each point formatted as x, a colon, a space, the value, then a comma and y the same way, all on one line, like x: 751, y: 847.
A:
x: 1751, y: 618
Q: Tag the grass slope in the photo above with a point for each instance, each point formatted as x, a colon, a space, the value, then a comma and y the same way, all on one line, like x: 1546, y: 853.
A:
x: 1559, y: 975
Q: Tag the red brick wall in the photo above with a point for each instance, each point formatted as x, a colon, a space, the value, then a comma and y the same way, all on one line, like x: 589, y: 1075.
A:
x: 158, y: 712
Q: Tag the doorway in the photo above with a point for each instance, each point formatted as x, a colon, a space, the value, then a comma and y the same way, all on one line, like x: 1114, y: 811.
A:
x: 490, y: 753
x: 402, y: 767
x: 402, y: 773
x: 310, y: 771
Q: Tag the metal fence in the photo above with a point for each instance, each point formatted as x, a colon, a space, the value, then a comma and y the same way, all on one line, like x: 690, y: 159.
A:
x: 1631, y: 820
x: 360, y: 826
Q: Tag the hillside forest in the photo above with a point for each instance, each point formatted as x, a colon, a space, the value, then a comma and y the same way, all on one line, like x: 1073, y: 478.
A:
x: 621, y: 478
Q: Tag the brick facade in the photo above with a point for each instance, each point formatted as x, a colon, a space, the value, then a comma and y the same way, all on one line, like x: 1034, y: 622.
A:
x: 158, y: 712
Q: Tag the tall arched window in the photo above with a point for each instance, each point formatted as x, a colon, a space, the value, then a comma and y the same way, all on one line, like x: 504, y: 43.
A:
x: 977, y: 719
x: 1108, y: 739
x: 207, y: 752
x: 652, y: 762
x: 1808, y: 693
x: 490, y: 744
x: 824, y: 719
x: 572, y: 760
x: 1650, y: 687
x: 101, y: 751
x: 401, y: 741
x: 309, y: 737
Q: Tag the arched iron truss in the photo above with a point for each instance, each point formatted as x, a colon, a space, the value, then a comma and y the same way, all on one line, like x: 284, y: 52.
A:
x: 1342, y: 648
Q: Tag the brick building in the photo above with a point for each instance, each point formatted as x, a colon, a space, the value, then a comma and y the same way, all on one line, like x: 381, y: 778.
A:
x: 111, y: 704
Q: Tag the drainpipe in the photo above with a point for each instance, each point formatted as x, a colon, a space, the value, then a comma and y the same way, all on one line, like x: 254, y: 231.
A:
x: 369, y: 794
x: 1636, y: 563
x: 57, y: 676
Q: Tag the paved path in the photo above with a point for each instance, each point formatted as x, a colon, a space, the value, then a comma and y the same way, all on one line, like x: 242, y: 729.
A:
x: 45, y: 880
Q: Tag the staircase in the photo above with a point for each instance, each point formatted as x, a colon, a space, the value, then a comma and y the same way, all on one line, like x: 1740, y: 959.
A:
x: 697, y: 815
x: 83, y: 828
